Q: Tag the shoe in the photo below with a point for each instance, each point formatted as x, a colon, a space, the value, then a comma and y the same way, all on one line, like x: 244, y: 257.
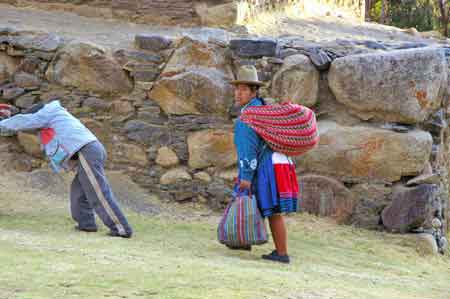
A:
x: 86, y: 229
x: 115, y: 234
x: 273, y: 256
x: 246, y: 248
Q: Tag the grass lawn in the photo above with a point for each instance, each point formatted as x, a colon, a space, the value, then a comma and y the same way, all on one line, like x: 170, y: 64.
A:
x: 42, y: 256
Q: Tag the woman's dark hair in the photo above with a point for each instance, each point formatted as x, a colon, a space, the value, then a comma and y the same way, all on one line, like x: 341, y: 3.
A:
x: 255, y: 88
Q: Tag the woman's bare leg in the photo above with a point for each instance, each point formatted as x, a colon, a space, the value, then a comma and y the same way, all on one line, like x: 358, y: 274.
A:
x: 279, y: 233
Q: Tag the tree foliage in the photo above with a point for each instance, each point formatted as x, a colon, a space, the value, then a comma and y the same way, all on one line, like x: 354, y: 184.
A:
x: 424, y: 15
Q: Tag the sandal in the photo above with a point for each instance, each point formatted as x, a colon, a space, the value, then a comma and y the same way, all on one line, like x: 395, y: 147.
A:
x: 274, y: 256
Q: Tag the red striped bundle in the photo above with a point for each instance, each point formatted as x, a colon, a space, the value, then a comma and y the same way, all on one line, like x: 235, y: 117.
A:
x: 287, y: 128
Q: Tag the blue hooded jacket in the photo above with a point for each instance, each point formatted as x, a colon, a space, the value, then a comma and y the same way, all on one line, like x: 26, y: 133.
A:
x: 61, y: 134
x: 251, y: 149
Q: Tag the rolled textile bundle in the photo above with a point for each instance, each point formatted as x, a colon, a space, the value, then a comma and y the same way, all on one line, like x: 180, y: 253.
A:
x: 287, y: 128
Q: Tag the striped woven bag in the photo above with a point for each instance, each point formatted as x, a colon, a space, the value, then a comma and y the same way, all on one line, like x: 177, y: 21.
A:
x: 287, y: 128
x: 242, y: 224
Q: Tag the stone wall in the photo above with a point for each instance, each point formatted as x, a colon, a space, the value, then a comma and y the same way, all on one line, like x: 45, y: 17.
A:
x: 188, y: 12
x: 164, y: 111
x: 143, y: 11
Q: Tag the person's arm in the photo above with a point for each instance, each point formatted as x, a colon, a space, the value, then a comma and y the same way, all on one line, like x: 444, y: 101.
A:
x: 247, y: 153
x: 22, y: 122
x: 6, y: 133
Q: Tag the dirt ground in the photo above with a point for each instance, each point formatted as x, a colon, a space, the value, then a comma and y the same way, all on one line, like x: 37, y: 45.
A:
x: 120, y: 34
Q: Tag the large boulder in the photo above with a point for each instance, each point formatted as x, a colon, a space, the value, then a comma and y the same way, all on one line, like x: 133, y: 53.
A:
x: 25, y: 101
x: 32, y: 40
x: 166, y: 157
x: 153, y: 43
x: 8, y: 66
x: 27, y: 81
x: 358, y: 154
x: 254, y: 48
x: 401, y: 86
x: 203, y: 176
x: 411, y: 208
x: 4, y: 76
x: 297, y: 81
x: 121, y: 107
x: 32, y: 65
x: 145, y: 133
x: 175, y: 175
x: 31, y: 144
x: 99, y: 129
x: 96, y: 104
x: 130, y: 153
x: 194, y: 92
x: 88, y: 67
x: 326, y: 196
x: 143, y: 67
x: 10, y: 159
x: 211, y: 148
x: 192, y: 54
x: 371, y: 199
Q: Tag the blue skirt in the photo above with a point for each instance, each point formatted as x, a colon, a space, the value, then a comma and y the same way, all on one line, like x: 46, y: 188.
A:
x: 264, y: 187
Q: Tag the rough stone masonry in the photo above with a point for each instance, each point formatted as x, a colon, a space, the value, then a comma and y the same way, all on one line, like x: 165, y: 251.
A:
x: 164, y: 110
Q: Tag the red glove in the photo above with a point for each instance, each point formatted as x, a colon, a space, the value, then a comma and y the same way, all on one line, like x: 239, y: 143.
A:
x: 5, y: 110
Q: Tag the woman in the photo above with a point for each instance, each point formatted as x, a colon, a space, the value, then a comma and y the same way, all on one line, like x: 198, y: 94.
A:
x: 257, y: 173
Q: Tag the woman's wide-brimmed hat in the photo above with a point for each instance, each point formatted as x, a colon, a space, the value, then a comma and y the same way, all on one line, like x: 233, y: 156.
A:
x: 247, y: 74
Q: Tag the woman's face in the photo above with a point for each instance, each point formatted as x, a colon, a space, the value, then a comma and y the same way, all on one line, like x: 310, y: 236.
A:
x: 243, y: 93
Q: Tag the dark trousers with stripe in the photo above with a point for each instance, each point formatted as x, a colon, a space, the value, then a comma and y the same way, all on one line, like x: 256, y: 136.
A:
x: 90, y: 191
